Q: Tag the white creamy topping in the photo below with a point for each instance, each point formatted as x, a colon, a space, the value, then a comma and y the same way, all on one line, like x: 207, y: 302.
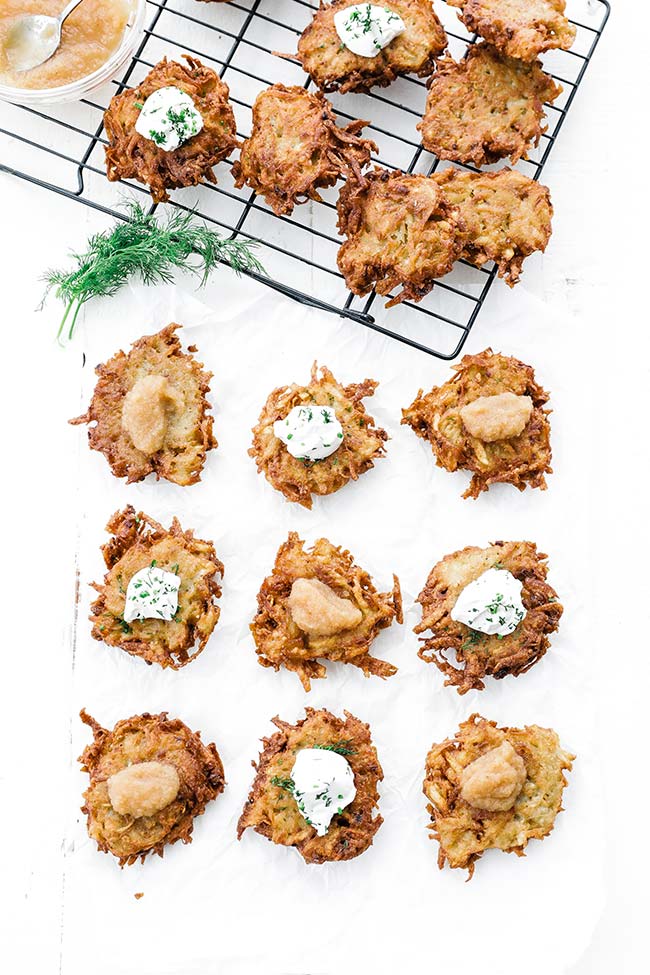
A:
x: 491, y: 604
x: 169, y: 118
x: 310, y: 432
x: 152, y: 594
x: 323, y: 785
x: 367, y: 28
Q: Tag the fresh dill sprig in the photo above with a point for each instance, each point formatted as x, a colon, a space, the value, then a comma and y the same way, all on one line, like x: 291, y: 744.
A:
x: 148, y: 249
x: 342, y: 747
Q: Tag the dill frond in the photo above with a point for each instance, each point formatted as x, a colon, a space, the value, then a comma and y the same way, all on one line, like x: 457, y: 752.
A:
x: 149, y: 250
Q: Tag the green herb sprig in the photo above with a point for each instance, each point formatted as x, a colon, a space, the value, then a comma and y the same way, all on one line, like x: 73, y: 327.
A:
x: 147, y: 249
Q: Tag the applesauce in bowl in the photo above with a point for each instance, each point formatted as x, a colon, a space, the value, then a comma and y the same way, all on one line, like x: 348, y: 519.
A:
x: 96, y: 40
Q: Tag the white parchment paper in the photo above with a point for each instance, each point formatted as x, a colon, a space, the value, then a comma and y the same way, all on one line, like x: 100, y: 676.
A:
x: 252, y: 908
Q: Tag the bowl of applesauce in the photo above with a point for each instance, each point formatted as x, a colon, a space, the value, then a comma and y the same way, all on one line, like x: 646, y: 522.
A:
x: 96, y: 41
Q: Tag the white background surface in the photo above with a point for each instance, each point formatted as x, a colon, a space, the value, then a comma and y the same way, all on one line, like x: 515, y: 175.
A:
x: 575, y: 903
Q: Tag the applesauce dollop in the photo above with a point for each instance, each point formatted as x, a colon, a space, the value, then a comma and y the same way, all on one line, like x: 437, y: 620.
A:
x: 90, y: 36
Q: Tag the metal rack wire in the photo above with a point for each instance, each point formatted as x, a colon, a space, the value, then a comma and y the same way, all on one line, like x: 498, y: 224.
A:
x: 63, y: 152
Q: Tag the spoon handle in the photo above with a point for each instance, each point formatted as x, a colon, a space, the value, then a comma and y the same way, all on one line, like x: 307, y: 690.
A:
x: 65, y: 13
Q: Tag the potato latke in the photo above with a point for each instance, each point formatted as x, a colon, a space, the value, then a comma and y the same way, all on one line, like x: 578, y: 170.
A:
x: 465, y: 832
x: 271, y: 809
x: 145, y: 738
x: 138, y: 541
x: 478, y: 655
x: 436, y: 416
x: 281, y: 642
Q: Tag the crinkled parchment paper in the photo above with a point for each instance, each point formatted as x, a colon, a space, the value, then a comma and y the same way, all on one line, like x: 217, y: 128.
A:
x: 252, y: 908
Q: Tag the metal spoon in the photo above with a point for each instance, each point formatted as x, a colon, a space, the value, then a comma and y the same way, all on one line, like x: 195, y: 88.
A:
x: 34, y: 39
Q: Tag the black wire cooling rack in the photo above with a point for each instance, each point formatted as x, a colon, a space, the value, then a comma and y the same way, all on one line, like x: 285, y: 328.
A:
x: 62, y: 150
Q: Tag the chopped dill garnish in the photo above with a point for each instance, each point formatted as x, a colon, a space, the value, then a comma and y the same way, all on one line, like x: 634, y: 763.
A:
x: 149, y: 250
x: 286, y: 784
x: 472, y: 638
x: 342, y: 747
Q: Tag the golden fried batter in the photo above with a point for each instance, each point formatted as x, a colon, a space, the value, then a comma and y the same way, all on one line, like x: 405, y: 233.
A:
x: 465, y: 830
x: 296, y: 147
x: 477, y: 654
x: 332, y: 66
x: 519, y: 28
x: 286, y: 627
x: 506, y: 217
x: 127, y: 400
x: 441, y: 416
x: 486, y: 107
x: 271, y: 809
x: 401, y: 230
x: 130, y: 155
x: 138, y: 541
x: 150, y: 744
x: 362, y: 441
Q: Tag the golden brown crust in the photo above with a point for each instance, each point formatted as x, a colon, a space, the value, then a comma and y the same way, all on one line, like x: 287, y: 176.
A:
x: 435, y: 416
x: 144, y: 738
x: 271, y: 810
x: 362, y: 443
x: 485, y: 107
x: 520, y: 28
x: 189, y: 435
x: 138, y: 541
x: 401, y: 231
x: 130, y: 155
x: 333, y: 67
x: 505, y: 217
x: 465, y: 832
x: 296, y: 147
x: 478, y: 655
x: 281, y: 643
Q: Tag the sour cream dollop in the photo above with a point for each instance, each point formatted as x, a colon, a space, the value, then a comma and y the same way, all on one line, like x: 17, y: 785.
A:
x: 367, y: 28
x: 323, y: 785
x: 310, y: 432
x: 152, y: 593
x: 169, y: 118
x: 491, y: 604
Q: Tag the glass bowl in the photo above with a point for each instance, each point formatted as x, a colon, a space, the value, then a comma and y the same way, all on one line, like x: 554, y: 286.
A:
x: 75, y: 90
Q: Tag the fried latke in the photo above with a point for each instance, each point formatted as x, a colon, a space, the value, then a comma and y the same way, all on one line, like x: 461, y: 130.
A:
x: 362, y: 442
x: 186, y: 425
x: 296, y: 147
x: 436, y: 416
x: 480, y: 655
x: 156, y: 740
x: 464, y: 831
x: 138, y: 541
x: 401, y: 230
x: 130, y: 155
x: 519, y: 28
x: 333, y: 67
x: 271, y: 809
x: 485, y: 107
x: 506, y: 216
x: 281, y: 642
